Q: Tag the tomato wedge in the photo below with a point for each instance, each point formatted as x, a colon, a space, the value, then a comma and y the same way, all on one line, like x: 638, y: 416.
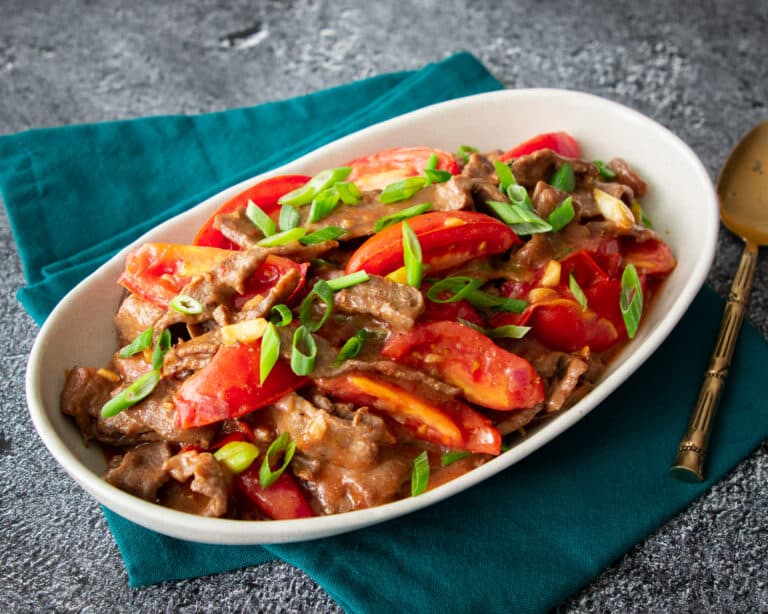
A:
x: 265, y: 194
x: 560, y: 142
x: 374, y: 172
x: 450, y: 424
x: 486, y: 373
x: 283, y: 500
x: 228, y: 386
x: 652, y: 257
x: 157, y: 272
x: 447, y: 238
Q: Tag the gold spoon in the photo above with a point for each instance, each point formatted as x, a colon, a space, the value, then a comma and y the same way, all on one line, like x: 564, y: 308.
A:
x: 743, y: 191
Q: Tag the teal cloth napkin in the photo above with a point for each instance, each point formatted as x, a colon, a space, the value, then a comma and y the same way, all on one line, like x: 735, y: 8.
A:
x: 523, y: 540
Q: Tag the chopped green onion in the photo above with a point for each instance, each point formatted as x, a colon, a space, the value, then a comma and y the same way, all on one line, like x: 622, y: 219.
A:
x: 437, y: 175
x: 187, y: 305
x: 460, y: 287
x: 402, y: 190
x: 282, y: 445
x: 280, y: 315
x: 564, y: 179
x: 562, y: 215
x: 420, y: 474
x: 463, y: 152
x: 137, y: 391
x: 161, y: 348
x: 431, y: 162
x: 399, y: 216
x: 329, y: 233
x: 509, y: 331
x: 351, y: 347
x: 270, y: 352
x: 348, y: 192
x: 289, y: 218
x: 237, y: 456
x: 606, y: 172
x: 306, y: 193
x: 303, y: 363
x: 519, y: 218
x: 412, y: 256
x: 347, y: 281
x: 323, y: 205
x: 637, y: 210
x: 282, y: 238
x: 142, y: 342
x: 577, y: 292
x: 504, y: 173
x: 324, y: 292
x: 631, y: 299
x: 491, y: 301
x: 518, y: 195
x: 451, y: 457
x: 260, y: 219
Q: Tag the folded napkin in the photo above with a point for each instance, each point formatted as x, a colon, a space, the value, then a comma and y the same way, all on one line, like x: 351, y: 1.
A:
x: 521, y: 541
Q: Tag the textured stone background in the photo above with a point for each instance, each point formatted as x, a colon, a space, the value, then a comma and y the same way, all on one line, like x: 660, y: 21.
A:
x: 699, y: 68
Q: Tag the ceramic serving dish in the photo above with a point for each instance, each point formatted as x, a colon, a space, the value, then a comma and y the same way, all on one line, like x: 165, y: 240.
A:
x: 681, y: 202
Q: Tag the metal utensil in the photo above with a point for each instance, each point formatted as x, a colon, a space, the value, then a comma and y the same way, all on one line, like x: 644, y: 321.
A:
x: 743, y: 191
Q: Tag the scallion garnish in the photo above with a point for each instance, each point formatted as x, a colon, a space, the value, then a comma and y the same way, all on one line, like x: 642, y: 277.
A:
x: 468, y: 288
x: 137, y: 391
x: 289, y: 218
x: 161, y: 348
x: 282, y: 238
x: 399, y: 216
x: 606, y: 172
x: 351, y: 347
x: 639, y: 213
x: 270, y: 351
x: 280, y: 315
x: 324, y: 293
x: 282, y: 445
x: 347, y: 281
x: 183, y: 303
x: 564, y: 178
x: 463, y: 152
x: 323, y: 205
x: 519, y: 196
x: 348, y: 192
x: 577, y: 292
x: 631, y: 299
x: 562, y: 215
x: 142, y: 342
x: 412, y: 256
x: 504, y: 173
x: 420, y: 474
x: 403, y: 189
x: 260, y: 219
x: 303, y: 351
x: 508, y: 331
x: 318, y: 183
x: 437, y: 175
x: 431, y: 163
x: 237, y: 456
x: 451, y: 457
x: 329, y: 233
x: 522, y: 220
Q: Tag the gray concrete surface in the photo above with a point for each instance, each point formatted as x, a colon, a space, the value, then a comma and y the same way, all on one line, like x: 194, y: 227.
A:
x: 697, y: 67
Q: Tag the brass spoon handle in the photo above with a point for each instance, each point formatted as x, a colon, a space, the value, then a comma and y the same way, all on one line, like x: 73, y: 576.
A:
x: 693, y: 447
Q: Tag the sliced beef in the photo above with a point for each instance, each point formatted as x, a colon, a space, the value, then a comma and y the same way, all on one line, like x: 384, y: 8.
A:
x: 134, y: 316
x: 541, y: 165
x: 141, y: 470
x: 534, y: 253
x: 131, y: 368
x: 191, y: 355
x: 397, y: 304
x: 561, y: 389
x: 546, y: 199
x: 480, y: 166
x: 517, y: 419
x: 628, y: 177
x: 207, y: 484
x: 83, y: 396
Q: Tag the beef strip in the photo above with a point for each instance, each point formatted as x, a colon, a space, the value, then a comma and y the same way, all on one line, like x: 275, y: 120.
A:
x: 83, y: 396
x: 561, y: 389
x: 191, y: 355
x: 208, y: 490
x: 134, y: 316
x: 480, y: 166
x: 546, y: 198
x: 517, y: 419
x: 628, y: 177
x: 541, y: 165
x: 395, y: 303
x: 141, y: 470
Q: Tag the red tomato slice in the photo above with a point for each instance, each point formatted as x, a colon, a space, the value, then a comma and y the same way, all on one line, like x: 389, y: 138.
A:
x: 374, y: 172
x: 228, y: 386
x: 283, y: 500
x: 652, y: 257
x: 584, y: 268
x: 436, y: 312
x: 487, y: 374
x: 264, y: 194
x: 449, y: 424
x: 560, y: 142
x: 447, y: 238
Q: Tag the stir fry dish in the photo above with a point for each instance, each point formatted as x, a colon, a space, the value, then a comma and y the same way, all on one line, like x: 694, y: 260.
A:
x: 337, y: 342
